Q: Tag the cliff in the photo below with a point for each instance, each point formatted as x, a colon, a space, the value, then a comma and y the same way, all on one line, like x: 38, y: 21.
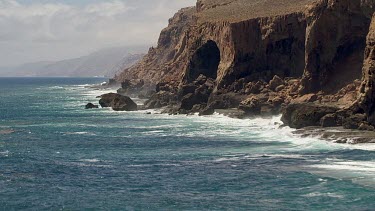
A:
x: 165, y: 61
x: 367, y: 91
x: 263, y: 55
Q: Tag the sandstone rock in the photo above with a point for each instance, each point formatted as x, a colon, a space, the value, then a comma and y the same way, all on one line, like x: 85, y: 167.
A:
x: 276, y: 101
x: 186, y: 89
x: 251, y: 105
x: 354, y: 121
x: 254, y: 87
x: 308, y: 98
x: 197, y: 108
x: 275, y: 82
x: 91, y: 106
x: 367, y: 91
x: 229, y: 49
x: 305, y: 114
x: 188, y: 101
x: 334, y: 55
x: 161, y: 99
x: 366, y: 126
x: 117, y: 102
x: 279, y: 88
x: 329, y: 120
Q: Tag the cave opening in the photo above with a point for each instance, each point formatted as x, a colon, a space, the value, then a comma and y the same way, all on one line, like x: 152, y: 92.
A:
x: 346, y: 66
x: 205, y: 61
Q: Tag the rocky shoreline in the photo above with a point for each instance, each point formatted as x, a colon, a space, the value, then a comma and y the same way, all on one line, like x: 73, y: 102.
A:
x: 336, y: 134
x: 310, y: 60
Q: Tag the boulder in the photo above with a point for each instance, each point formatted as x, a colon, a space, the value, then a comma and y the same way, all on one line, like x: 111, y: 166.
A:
x: 354, y: 121
x: 186, y: 89
x: 207, y: 111
x: 254, y: 87
x: 366, y: 126
x: 160, y: 99
x: 188, y: 101
x: 117, y: 102
x: 329, y: 120
x: 305, y: 114
x: 275, y: 82
x: 307, y: 98
x: 252, y: 105
x: 91, y: 106
x: 280, y: 88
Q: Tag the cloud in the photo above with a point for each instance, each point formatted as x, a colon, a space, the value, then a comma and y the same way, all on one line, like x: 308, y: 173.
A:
x: 50, y: 30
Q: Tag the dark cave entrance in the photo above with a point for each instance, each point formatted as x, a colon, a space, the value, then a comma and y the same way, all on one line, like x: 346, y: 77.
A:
x: 346, y: 66
x: 205, y: 61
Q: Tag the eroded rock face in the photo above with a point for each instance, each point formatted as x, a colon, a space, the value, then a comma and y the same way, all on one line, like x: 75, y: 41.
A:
x: 367, y: 92
x: 166, y: 60
x: 261, y: 56
x: 335, y: 43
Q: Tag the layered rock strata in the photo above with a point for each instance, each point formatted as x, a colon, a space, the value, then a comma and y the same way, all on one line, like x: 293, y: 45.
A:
x: 265, y: 57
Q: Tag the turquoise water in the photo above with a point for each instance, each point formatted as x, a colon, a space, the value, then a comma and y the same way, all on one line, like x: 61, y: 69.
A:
x: 63, y: 157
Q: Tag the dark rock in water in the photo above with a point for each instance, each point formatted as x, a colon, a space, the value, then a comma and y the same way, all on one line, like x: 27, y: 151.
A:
x: 305, y: 114
x: 91, y: 106
x: 207, y: 111
x: 118, y: 102
x: 106, y: 99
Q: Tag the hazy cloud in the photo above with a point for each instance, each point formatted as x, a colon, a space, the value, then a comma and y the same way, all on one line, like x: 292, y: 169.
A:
x: 52, y: 30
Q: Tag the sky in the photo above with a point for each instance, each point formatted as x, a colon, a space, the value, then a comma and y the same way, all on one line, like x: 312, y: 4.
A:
x: 51, y: 30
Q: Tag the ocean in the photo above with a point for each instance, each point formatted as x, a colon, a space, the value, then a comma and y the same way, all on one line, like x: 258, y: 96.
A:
x: 55, y: 155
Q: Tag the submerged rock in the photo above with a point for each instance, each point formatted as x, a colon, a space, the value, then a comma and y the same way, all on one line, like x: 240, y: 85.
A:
x: 91, y: 106
x: 117, y: 102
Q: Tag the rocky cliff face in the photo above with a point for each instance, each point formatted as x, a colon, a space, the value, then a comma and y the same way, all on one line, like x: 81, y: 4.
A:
x: 261, y: 56
x: 335, y: 42
x: 166, y: 60
x: 367, y: 92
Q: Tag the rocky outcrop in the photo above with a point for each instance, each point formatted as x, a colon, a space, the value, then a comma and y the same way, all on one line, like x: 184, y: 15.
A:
x: 166, y: 61
x: 305, y: 114
x: 367, y: 91
x: 261, y: 56
x: 335, y: 43
x: 117, y: 102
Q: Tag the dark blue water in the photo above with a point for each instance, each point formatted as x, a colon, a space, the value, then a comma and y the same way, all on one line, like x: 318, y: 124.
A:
x: 55, y: 155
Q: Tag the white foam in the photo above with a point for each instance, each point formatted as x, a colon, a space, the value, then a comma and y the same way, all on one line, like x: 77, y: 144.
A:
x: 367, y: 167
x: 56, y: 87
x: 5, y: 153
x: 90, y: 160
x: 268, y: 129
x: 80, y: 133
x: 319, y: 194
x: 360, y: 172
